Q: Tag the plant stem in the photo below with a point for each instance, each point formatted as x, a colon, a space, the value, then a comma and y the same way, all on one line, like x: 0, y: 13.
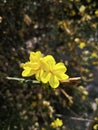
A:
x: 22, y: 79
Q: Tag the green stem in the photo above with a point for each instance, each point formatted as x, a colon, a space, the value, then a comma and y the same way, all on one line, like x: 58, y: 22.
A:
x: 22, y: 79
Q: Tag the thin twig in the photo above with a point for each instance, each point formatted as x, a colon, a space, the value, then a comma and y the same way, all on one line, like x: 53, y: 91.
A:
x: 80, y: 119
x: 75, y: 118
x: 22, y: 79
x: 71, y: 81
x: 15, y: 78
x: 68, y: 96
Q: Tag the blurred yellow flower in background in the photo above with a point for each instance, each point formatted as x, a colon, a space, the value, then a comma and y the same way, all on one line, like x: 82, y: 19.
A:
x: 82, y: 8
x: 96, y: 12
x: 82, y: 45
x: 95, y: 127
x: 57, y: 123
x: 94, y: 54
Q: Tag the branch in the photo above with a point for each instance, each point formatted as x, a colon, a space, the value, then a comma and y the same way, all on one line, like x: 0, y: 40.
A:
x: 22, y: 79
x: 68, y: 96
x: 71, y: 81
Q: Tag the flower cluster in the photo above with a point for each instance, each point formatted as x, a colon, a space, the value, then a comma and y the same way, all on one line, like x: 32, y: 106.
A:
x: 45, y: 69
x: 57, y: 123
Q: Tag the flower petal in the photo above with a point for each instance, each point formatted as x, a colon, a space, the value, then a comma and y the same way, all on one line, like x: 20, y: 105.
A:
x: 54, y: 82
x: 45, y: 77
x: 49, y: 62
x: 27, y: 73
x: 37, y: 75
x: 50, y: 59
x: 35, y: 66
x: 31, y: 65
x: 61, y: 76
x: 60, y: 67
x: 44, y: 65
x: 26, y: 64
x: 35, y: 56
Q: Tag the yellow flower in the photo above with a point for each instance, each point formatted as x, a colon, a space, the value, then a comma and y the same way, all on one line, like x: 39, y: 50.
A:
x: 95, y: 127
x: 57, y: 123
x: 33, y: 66
x: 45, y: 69
x: 96, y: 12
x: 35, y: 56
x: 77, y: 40
x: 94, y: 54
x: 82, y: 45
x: 53, y: 73
x: 82, y: 8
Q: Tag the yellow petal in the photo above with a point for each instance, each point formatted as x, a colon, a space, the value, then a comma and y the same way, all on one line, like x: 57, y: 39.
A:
x: 48, y: 63
x: 26, y: 64
x: 54, y: 82
x: 27, y: 73
x: 31, y: 65
x: 35, y: 66
x: 45, y: 77
x: 62, y: 76
x: 50, y: 60
x: 65, y: 77
x: 60, y: 67
x: 37, y: 75
x: 35, y: 56
x: 44, y: 65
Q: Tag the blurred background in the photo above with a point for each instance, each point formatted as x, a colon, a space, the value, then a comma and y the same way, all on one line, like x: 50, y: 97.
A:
x: 66, y: 29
